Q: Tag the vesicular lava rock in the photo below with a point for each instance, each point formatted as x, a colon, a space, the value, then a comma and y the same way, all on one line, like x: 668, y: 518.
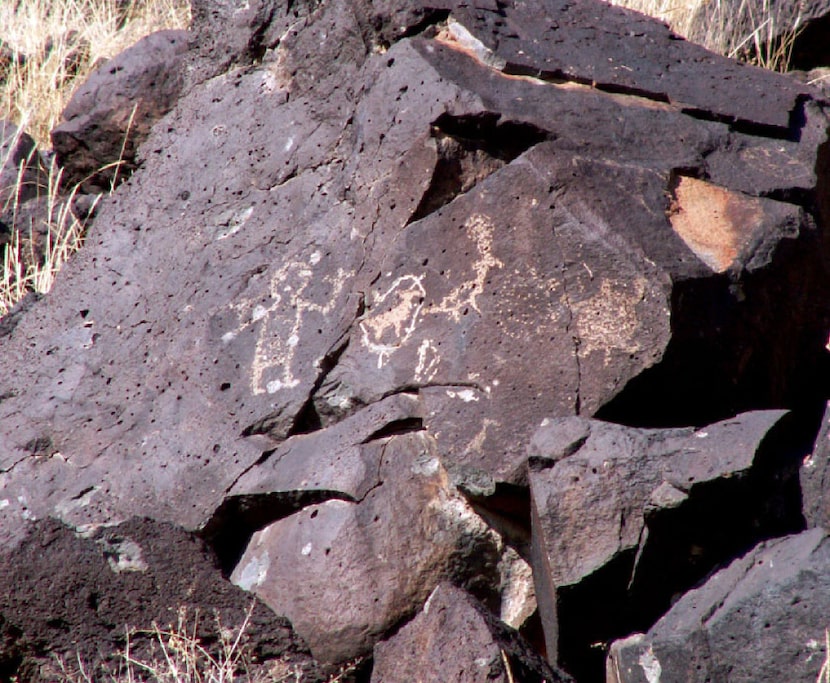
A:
x: 370, y: 229
x: 111, y: 114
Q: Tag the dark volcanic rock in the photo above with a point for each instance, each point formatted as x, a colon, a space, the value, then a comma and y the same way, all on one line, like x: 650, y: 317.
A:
x: 815, y: 478
x: 480, y: 649
x: 111, y: 114
x: 762, y: 618
x: 438, y: 235
x: 22, y: 176
x: 346, y: 572
x: 74, y: 595
x: 372, y: 247
x: 624, y: 519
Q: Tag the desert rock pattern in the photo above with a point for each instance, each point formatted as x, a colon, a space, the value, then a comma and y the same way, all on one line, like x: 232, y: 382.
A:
x: 452, y: 335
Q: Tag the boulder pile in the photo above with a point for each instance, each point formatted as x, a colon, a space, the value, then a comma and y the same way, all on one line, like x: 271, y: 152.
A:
x: 468, y: 340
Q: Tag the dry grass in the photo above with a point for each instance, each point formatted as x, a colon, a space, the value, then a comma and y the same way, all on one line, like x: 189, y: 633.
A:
x: 29, y: 265
x: 824, y: 674
x: 767, y: 43
x: 59, y: 43
x: 180, y: 657
x: 62, y: 41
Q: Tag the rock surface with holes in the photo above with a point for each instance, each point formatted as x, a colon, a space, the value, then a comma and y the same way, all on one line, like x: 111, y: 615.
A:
x: 764, y: 614
x: 369, y: 231
x: 111, y: 114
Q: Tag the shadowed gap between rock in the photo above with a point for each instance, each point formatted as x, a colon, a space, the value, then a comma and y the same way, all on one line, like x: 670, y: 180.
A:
x: 683, y: 546
x: 229, y: 530
x: 471, y: 148
x: 560, y: 77
x: 396, y: 428
x: 735, y: 348
x: 432, y: 18
x: 810, y: 47
x: 507, y: 511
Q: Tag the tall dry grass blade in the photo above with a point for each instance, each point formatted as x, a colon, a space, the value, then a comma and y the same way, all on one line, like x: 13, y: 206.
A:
x: 61, y: 41
x: 767, y: 42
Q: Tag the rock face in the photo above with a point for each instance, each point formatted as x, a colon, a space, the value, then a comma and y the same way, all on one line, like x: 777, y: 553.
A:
x: 346, y: 572
x: 815, y: 478
x: 112, y: 113
x: 371, y: 248
x: 762, y: 615
x: 626, y: 518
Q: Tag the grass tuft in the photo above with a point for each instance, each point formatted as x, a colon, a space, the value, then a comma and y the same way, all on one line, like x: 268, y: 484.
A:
x: 767, y: 43
x: 178, y: 655
x: 60, y: 43
x: 51, y: 47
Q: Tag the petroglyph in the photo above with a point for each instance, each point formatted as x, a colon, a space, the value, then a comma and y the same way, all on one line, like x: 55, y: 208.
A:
x: 428, y: 361
x: 398, y: 309
x: 477, y: 442
x: 396, y: 313
x: 279, y: 335
x: 465, y: 296
x: 609, y: 320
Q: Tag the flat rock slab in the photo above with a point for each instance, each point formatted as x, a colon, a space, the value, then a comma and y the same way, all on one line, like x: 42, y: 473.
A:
x: 481, y: 649
x: 562, y: 39
x: 764, y: 614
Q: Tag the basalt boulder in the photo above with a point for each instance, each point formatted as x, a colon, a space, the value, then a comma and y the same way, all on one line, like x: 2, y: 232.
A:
x: 346, y: 572
x: 111, y: 114
x: 625, y: 519
x: 482, y: 648
x: 377, y: 229
x: 815, y: 478
x: 764, y: 614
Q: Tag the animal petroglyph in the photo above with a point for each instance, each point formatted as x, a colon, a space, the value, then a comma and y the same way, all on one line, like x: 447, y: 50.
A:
x: 396, y: 313
x: 608, y: 320
x: 396, y: 317
x: 464, y: 296
x: 279, y: 335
